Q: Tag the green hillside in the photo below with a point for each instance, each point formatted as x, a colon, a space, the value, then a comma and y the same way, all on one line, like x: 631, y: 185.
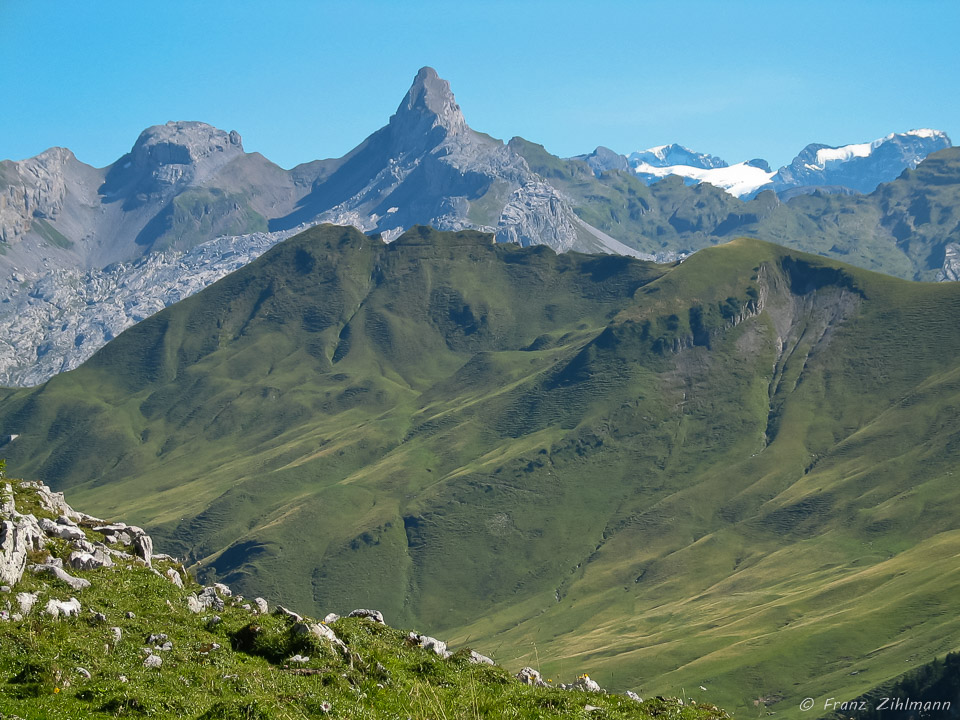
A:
x: 131, y: 645
x: 732, y: 473
x: 900, y: 229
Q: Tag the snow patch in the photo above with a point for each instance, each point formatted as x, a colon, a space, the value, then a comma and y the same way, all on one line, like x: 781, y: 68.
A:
x: 739, y: 180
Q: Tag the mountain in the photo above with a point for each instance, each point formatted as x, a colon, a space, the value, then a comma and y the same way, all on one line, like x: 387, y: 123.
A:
x: 87, y: 252
x: 857, y: 168
x: 664, y: 472
x: 96, y: 625
x: 671, y: 155
x: 861, y: 167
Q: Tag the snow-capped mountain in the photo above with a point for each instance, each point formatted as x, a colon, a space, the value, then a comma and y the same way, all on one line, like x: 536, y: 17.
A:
x: 674, y: 155
x: 860, y: 167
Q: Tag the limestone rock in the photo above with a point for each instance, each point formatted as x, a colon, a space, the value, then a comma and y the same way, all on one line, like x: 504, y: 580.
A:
x: 26, y: 601
x: 60, y: 574
x: 281, y: 610
x: 318, y: 630
x: 437, y: 646
x: 143, y: 547
x: 331, y: 618
x: 478, y: 659
x: 374, y: 615
x: 17, y: 537
x: 152, y: 661
x: 633, y: 696
x: 65, y: 532
x: 89, y: 561
x: 62, y: 608
x: 529, y: 676
x: 174, y: 577
x: 261, y: 605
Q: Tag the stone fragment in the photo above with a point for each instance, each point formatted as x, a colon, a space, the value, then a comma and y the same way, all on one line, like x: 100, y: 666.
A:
x: 261, y: 605
x: 174, y: 577
x: 89, y: 561
x: 152, y: 661
x: 26, y: 601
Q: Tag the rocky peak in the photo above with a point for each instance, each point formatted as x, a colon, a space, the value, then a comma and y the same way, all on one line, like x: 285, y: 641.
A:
x: 176, y: 153
x: 184, y: 143
x: 428, y: 109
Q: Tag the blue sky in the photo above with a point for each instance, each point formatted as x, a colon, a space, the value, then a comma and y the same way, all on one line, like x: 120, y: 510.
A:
x: 306, y: 80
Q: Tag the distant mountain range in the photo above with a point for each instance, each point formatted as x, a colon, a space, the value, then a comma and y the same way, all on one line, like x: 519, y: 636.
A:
x: 86, y: 252
x: 849, y: 168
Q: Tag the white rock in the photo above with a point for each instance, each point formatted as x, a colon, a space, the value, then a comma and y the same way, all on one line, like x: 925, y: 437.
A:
x: 431, y: 643
x: 152, y: 661
x: 174, y: 577
x: 117, y: 634
x: 529, y: 676
x: 331, y: 618
x: 374, y: 615
x: 261, y: 604
x: 89, y: 561
x: 26, y: 601
x: 478, y: 659
x: 60, y: 574
x: 62, y: 608
x: 633, y: 696
x: 299, y: 659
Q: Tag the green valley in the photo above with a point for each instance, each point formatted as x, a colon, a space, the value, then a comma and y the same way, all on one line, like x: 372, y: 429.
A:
x: 734, y: 472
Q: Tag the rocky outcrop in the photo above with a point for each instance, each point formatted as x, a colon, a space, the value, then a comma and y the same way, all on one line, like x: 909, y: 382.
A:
x: 30, y: 190
x: 950, y: 272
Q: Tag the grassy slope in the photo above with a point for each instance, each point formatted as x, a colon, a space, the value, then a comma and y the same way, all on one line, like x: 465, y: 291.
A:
x: 657, y: 474
x: 248, y: 674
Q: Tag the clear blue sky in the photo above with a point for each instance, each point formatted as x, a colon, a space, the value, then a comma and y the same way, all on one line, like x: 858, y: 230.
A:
x: 308, y: 80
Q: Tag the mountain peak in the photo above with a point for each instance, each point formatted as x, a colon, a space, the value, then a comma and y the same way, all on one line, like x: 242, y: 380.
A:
x: 429, y: 104
x: 185, y: 142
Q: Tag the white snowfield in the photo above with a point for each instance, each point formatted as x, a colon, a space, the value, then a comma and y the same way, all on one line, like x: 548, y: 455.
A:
x: 740, y: 179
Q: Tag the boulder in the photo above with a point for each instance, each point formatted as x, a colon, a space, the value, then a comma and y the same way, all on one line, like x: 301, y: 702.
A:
x: 66, y: 532
x: 438, y: 646
x: 281, y: 610
x: 261, y: 605
x: 26, y: 601
x: 478, y: 659
x: 374, y: 615
x: 60, y: 574
x: 152, y: 661
x: 319, y: 630
x: 633, y: 696
x: 17, y: 536
x: 62, y: 608
x: 89, y: 561
x: 331, y: 618
x: 143, y: 547
x: 174, y: 577
x: 529, y: 676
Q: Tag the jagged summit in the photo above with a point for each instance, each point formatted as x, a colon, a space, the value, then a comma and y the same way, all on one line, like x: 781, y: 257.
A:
x: 429, y: 104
